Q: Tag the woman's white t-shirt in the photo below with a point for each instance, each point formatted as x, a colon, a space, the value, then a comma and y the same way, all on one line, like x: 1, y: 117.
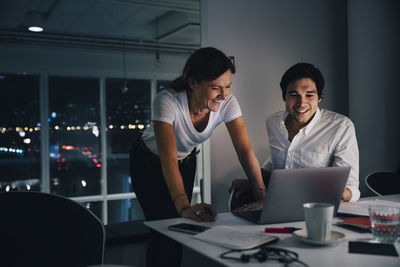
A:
x: 172, y: 107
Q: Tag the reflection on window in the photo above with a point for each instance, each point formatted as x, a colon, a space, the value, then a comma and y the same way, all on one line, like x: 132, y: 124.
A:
x: 74, y: 129
x: 128, y: 111
x: 19, y: 133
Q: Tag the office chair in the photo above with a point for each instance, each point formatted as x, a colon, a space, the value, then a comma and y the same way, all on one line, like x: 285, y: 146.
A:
x: 383, y: 183
x: 39, y: 229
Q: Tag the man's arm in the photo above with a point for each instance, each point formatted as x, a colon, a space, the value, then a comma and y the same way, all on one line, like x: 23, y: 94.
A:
x: 346, y: 154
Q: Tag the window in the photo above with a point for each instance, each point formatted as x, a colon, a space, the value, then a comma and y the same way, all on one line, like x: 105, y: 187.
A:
x: 91, y: 124
x: 20, y: 150
x: 128, y: 112
x: 55, y: 133
x: 74, y: 134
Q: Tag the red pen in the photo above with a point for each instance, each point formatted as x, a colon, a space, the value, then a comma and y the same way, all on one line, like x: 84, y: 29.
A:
x: 284, y: 230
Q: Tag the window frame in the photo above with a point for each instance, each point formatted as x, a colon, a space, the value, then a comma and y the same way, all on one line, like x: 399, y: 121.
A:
x: 203, y: 159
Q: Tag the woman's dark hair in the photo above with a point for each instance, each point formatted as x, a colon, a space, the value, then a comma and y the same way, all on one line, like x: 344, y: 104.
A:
x: 205, y: 64
x: 300, y: 71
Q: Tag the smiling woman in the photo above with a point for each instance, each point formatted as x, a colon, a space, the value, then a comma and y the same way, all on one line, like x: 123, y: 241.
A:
x: 163, y: 161
x: 209, y: 95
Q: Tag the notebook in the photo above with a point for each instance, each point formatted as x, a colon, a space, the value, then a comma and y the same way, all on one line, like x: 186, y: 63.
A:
x: 357, y: 224
x: 288, y: 189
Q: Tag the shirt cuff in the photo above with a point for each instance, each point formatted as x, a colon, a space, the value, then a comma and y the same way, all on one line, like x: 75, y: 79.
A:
x: 355, y: 193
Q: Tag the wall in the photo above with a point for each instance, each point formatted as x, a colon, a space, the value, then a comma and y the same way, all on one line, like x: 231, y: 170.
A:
x: 266, y: 38
x: 374, y: 71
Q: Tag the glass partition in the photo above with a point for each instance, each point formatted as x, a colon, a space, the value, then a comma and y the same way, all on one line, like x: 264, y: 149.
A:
x: 128, y: 112
x: 71, y: 66
x: 20, y: 168
x: 74, y: 134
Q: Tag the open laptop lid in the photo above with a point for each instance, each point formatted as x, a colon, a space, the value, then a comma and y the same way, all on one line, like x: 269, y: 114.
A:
x: 288, y: 189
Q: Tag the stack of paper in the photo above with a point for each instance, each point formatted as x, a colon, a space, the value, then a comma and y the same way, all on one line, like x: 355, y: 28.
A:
x: 361, y: 207
x: 235, y: 237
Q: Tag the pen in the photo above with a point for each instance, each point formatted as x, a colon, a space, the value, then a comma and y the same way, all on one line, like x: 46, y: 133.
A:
x: 284, y: 230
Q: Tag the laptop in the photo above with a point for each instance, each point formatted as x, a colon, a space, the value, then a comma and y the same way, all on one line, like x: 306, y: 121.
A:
x: 288, y: 189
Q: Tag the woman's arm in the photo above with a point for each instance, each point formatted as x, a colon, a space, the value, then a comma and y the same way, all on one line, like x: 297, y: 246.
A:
x: 168, y: 154
x: 240, y: 138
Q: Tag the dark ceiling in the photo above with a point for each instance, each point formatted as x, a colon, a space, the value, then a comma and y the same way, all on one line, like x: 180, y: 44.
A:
x: 146, y: 25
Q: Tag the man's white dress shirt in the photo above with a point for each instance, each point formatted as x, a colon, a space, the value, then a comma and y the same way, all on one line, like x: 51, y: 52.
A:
x: 328, y: 140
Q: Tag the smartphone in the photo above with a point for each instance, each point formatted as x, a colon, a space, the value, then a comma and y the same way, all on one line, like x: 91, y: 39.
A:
x: 188, y: 228
x: 372, y: 248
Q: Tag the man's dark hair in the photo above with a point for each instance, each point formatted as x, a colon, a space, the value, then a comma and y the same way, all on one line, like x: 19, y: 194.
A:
x: 205, y: 64
x: 300, y: 71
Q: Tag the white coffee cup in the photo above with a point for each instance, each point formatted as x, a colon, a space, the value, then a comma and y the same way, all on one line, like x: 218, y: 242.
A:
x: 318, y: 217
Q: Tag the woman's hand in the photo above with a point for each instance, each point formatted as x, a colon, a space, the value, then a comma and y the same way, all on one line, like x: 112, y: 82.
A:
x: 240, y: 139
x: 202, y: 212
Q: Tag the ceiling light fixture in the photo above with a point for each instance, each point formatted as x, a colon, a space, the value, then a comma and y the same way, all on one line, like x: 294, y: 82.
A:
x: 35, y: 21
x: 158, y: 62
x: 125, y: 82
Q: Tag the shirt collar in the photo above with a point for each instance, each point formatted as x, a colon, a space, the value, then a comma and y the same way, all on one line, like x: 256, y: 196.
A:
x: 282, y: 124
x: 312, y: 123
x: 306, y: 129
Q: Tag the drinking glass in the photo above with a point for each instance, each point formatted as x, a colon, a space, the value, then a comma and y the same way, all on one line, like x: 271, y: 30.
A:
x: 385, y: 223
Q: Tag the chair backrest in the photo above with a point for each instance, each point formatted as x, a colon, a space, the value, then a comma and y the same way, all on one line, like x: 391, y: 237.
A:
x: 39, y: 229
x: 383, y: 183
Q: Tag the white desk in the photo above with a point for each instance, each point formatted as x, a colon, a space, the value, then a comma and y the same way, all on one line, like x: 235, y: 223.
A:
x: 334, y: 256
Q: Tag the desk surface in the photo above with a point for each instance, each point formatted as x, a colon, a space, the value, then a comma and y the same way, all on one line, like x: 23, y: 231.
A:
x: 335, y: 256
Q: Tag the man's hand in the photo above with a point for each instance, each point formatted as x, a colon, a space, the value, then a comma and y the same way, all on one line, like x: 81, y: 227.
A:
x: 200, y: 212
x: 347, y: 194
x: 239, y: 186
x: 258, y: 205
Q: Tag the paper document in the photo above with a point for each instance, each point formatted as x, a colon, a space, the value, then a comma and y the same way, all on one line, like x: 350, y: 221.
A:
x: 235, y: 237
x: 361, y: 207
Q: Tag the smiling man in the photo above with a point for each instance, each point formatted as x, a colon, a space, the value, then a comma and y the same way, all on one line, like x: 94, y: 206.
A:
x: 305, y: 136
